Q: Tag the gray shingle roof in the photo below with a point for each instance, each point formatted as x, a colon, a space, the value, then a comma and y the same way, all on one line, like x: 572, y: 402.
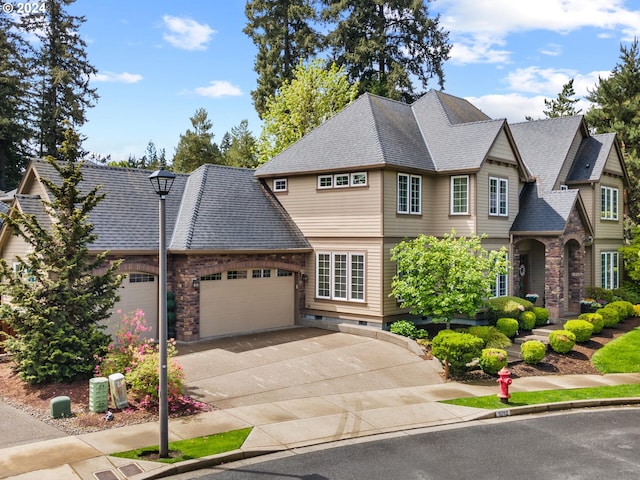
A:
x: 227, y: 208
x: 591, y: 158
x: 545, y: 144
x: 546, y: 211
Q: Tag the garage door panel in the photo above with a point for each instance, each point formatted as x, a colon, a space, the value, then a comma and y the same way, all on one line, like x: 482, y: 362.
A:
x: 245, y: 304
x: 138, y: 291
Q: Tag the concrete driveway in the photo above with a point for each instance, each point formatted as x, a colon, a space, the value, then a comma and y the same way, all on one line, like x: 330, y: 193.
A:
x: 298, y: 363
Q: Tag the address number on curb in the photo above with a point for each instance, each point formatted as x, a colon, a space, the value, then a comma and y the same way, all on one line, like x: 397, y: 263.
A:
x: 503, y: 413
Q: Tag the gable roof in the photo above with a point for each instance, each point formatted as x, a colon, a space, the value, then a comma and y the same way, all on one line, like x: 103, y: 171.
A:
x: 437, y: 133
x: 214, y: 208
x: 591, y: 158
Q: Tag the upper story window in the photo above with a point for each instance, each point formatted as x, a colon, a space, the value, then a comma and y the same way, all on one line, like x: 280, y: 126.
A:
x: 342, y: 180
x: 564, y: 187
x: 280, y: 185
x: 409, y: 194
x: 460, y: 195
x: 609, y: 203
x: 499, y: 197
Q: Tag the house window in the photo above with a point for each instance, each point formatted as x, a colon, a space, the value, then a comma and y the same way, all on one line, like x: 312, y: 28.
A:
x: 341, y: 180
x: 140, y: 278
x: 409, y: 194
x: 564, y: 187
x: 358, y: 179
x: 213, y: 276
x: 498, y: 197
x: 460, y: 195
x: 499, y: 288
x: 340, y: 276
x: 236, y: 274
x: 325, y: 181
x: 280, y: 185
x: 609, y: 203
x: 261, y: 273
x: 283, y: 273
x: 609, y: 274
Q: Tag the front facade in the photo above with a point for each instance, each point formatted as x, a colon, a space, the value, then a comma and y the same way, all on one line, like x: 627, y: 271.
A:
x: 309, y: 233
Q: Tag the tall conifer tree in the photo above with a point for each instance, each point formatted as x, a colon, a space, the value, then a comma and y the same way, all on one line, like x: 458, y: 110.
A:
x: 564, y: 104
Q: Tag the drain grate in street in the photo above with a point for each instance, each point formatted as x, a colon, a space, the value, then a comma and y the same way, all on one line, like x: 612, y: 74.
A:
x: 105, y: 475
x: 130, y: 469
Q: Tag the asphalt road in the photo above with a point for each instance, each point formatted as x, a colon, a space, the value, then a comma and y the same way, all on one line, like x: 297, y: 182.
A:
x: 586, y: 445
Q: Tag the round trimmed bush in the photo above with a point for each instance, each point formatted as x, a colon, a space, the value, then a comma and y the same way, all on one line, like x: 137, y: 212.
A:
x: 580, y: 328
x: 508, y: 326
x: 610, y: 316
x: 542, y: 316
x: 492, y: 360
x: 594, y: 319
x: 625, y: 309
x: 491, y: 336
x: 533, y: 351
x: 457, y: 348
x: 527, y: 320
x: 562, y: 341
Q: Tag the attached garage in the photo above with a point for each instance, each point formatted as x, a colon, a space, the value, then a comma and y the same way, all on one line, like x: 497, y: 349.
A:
x: 239, y: 301
x: 138, y: 291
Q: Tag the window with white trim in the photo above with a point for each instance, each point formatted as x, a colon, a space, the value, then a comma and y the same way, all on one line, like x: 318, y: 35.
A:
x: 498, y: 197
x: 608, y: 203
x: 340, y: 276
x: 325, y: 181
x: 500, y: 287
x: 280, y: 185
x: 359, y: 179
x: 609, y: 270
x: 341, y: 180
x: 409, y: 194
x: 459, y: 194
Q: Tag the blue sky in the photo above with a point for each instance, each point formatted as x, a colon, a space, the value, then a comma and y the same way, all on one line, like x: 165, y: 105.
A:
x: 159, y: 61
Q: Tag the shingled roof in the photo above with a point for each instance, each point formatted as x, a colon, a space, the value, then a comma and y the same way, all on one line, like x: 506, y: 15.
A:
x: 215, y: 208
x: 591, y: 158
x: 543, y: 212
x: 437, y: 133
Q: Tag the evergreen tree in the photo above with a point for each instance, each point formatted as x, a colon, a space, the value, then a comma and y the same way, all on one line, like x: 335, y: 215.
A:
x: 61, y: 75
x: 15, y: 130
x: 314, y: 95
x: 196, y: 147
x: 57, y: 300
x: 564, y: 104
x: 383, y: 44
x: 238, y: 147
x: 616, y: 108
x: 282, y: 31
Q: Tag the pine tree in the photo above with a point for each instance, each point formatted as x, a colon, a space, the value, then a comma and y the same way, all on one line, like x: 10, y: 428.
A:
x: 196, y: 147
x: 383, y: 44
x: 15, y: 131
x: 616, y: 108
x: 238, y: 147
x: 564, y: 104
x: 282, y: 30
x: 61, y: 75
x: 55, y: 299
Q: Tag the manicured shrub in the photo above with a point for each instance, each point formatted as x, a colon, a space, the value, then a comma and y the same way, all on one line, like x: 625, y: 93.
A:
x: 636, y: 310
x: 492, y: 360
x: 527, y: 320
x: 582, y: 329
x: 491, y: 336
x: 508, y: 326
x: 562, y: 341
x: 456, y: 348
x: 510, y: 307
x: 610, y: 316
x: 542, y: 316
x: 408, y: 329
x: 594, y: 319
x: 625, y: 309
x: 533, y: 351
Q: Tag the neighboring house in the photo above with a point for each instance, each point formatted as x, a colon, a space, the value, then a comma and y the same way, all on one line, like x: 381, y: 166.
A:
x: 309, y: 233
x: 235, y: 259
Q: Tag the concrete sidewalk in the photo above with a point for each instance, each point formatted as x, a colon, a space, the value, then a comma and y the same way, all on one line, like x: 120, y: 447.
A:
x: 309, y: 414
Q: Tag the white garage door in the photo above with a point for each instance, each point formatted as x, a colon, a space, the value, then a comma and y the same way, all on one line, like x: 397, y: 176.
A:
x: 138, y: 291
x: 246, y: 300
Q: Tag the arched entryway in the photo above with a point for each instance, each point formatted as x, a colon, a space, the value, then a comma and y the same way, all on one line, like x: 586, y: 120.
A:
x: 573, y: 275
x: 529, y: 269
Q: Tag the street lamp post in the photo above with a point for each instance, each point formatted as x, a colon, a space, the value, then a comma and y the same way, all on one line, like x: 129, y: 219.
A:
x: 162, y: 181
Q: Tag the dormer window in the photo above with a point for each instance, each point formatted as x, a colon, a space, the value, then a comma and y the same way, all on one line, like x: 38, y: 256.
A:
x: 280, y: 185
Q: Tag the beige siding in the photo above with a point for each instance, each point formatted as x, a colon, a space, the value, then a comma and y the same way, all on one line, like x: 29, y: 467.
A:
x: 613, y: 164
x: 568, y: 162
x: 441, y: 220
x: 605, y: 246
x: 391, y: 306
x: 15, y: 246
x: 496, y: 226
x: 591, y: 204
x: 339, y: 212
x: 609, y: 229
x: 502, y: 149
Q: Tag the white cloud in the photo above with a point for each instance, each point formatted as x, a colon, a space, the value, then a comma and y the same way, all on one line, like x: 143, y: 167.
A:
x: 549, y: 81
x: 124, y: 77
x: 513, y: 106
x: 219, y: 88
x: 476, y: 28
x: 552, y: 50
x: 187, y: 34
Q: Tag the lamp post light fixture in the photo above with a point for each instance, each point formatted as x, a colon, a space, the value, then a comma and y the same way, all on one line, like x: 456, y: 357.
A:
x: 162, y: 181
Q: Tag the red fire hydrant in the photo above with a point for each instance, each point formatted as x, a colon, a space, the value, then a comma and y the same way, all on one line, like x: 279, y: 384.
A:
x: 504, y: 381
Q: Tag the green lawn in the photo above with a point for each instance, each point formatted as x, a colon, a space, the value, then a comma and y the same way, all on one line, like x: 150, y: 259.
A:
x: 521, y: 399
x: 193, y: 447
x: 621, y: 355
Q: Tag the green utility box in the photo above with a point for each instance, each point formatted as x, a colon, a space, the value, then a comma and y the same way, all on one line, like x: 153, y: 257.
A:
x: 98, y: 394
x: 60, y: 407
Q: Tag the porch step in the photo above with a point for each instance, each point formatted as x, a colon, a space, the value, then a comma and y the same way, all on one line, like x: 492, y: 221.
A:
x: 542, y: 338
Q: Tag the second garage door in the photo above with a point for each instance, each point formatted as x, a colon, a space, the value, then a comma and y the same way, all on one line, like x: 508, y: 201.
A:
x: 138, y: 291
x: 240, y: 301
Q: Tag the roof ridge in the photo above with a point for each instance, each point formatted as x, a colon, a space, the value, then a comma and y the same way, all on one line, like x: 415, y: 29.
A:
x: 555, y: 119
x: 204, y: 169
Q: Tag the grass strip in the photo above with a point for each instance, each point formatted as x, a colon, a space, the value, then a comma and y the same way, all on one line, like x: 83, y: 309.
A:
x: 620, y: 355
x: 521, y: 399
x: 191, y: 448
